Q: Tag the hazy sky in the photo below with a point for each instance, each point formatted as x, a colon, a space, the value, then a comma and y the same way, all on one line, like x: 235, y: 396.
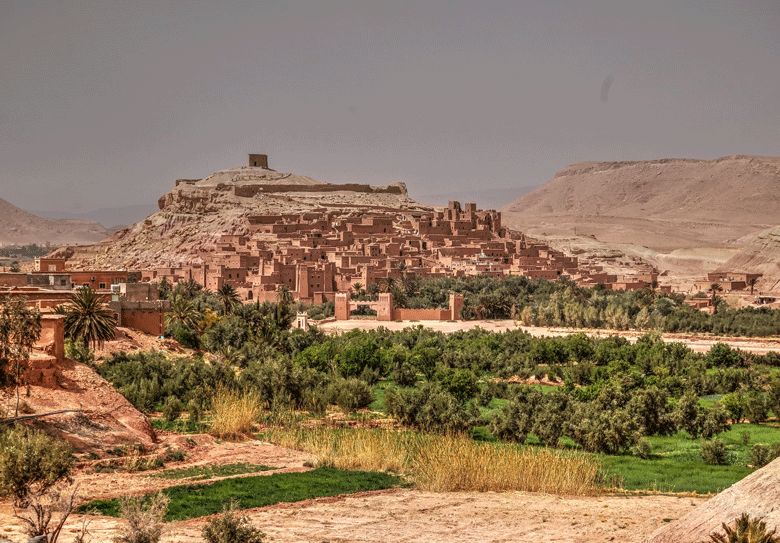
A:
x: 106, y: 103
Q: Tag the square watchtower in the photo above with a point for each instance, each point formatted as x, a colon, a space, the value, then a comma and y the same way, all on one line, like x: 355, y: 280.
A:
x: 258, y: 161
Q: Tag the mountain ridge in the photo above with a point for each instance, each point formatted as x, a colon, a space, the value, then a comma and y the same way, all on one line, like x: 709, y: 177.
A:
x: 19, y: 227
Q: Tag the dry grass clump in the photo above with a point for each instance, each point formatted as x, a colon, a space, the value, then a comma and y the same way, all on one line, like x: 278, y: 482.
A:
x: 234, y: 413
x: 454, y: 463
x: 448, y: 463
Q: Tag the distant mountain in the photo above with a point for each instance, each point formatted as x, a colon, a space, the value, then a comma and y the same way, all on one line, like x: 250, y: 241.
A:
x: 667, y: 203
x: 485, y: 199
x: 110, y: 217
x: 18, y: 227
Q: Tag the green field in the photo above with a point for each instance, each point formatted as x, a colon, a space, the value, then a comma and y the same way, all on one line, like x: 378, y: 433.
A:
x: 207, y: 472
x: 207, y: 499
x: 676, y: 464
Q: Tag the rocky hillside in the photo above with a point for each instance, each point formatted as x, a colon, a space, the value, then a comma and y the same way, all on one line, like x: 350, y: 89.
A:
x: 760, y: 255
x: 18, y: 227
x: 738, y: 188
x: 197, y: 212
x: 665, y: 204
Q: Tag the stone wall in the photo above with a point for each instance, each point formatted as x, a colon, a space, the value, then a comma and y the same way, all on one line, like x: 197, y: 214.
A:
x: 249, y: 191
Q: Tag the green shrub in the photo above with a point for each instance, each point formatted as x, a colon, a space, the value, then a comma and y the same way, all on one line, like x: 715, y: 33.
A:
x: 194, y: 410
x: 144, y: 520
x: 462, y: 384
x: 716, y: 420
x: 31, y: 461
x: 428, y: 407
x: 759, y: 455
x: 186, y: 337
x: 642, y: 448
x: 76, y: 350
x: 231, y: 527
x: 172, y: 408
x: 351, y: 394
x: 714, y: 452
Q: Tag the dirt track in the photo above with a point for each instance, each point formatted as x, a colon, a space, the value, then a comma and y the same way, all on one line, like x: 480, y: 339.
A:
x: 696, y: 342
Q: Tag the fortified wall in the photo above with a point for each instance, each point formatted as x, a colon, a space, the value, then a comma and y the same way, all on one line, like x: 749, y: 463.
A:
x: 248, y: 191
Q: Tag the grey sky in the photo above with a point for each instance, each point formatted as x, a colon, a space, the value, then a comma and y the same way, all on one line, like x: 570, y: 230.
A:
x: 105, y: 103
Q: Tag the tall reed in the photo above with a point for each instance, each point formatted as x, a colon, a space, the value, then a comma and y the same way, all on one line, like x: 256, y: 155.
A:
x: 234, y: 413
x: 448, y: 463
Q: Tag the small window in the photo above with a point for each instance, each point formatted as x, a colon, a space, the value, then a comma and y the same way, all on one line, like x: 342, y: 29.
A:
x: 102, y: 285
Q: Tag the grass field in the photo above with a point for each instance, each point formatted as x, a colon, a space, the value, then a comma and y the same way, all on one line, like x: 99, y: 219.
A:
x: 207, y: 499
x: 676, y: 464
x: 207, y: 472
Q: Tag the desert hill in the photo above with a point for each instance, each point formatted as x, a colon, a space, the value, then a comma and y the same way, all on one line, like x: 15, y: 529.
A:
x: 197, y: 212
x: 760, y: 255
x: 663, y: 204
x: 18, y: 227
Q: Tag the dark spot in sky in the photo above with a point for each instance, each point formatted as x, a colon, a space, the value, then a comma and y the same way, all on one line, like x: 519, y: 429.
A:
x: 605, y: 87
x: 352, y: 108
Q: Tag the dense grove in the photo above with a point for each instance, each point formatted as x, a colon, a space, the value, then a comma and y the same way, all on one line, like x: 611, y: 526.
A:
x: 563, y: 303
x: 609, y: 393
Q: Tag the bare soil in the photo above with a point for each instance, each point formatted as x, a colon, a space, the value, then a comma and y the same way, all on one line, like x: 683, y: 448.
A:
x: 696, y: 342
x: 392, y: 515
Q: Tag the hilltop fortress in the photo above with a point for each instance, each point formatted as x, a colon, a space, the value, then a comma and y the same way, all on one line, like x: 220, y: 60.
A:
x: 258, y: 230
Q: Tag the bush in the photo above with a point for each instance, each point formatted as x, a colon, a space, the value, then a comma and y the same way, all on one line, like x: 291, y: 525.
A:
x: 351, y: 394
x: 186, y: 337
x: 76, y: 350
x: 713, y: 452
x: 428, y: 407
x: 716, y: 420
x: 462, y: 384
x: 172, y: 408
x: 144, y: 520
x: 759, y: 455
x: 230, y: 527
x: 642, y: 448
x: 31, y: 461
x: 194, y: 411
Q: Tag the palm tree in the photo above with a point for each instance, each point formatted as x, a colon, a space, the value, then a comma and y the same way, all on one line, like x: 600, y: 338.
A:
x: 87, y: 318
x: 188, y: 288
x: 373, y: 290
x: 387, y: 284
x: 182, y: 313
x: 357, y: 287
x: 715, y: 288
x: 752, y: 283
x: 284, y: 296
x: 229, y: 298
x: 284, y: 316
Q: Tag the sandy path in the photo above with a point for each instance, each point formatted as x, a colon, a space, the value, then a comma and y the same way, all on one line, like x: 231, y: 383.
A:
x: 696, y: 342
x: 414, y: 516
